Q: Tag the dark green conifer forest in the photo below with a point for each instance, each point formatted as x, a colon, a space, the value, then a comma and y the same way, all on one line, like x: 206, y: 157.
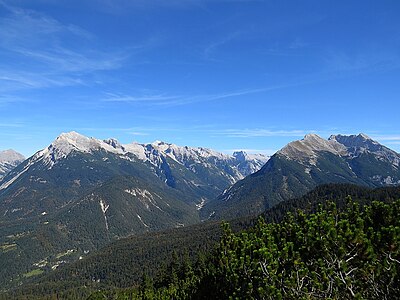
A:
x: 337, y: 242
x: 331, y: 254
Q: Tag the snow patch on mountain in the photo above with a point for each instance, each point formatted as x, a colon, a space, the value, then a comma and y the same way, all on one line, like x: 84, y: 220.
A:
x: 200, y: 205
x: 140, y: 219
x: 104, y: 207
x: 145, y: 197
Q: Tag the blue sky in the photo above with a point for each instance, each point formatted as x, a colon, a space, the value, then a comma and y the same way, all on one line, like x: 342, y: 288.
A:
x: 224, y: 74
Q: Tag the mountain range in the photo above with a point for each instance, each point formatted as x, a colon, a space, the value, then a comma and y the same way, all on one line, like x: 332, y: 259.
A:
x: 74, y: 164
x: 304, y: 164
x: 80, y: 193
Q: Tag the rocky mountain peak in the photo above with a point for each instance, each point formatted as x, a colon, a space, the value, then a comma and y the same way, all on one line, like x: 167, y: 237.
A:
x: 309, y: 145
x: 243, y: 156
x: 71, y: 135
x: 68, y: 142
x: 65, y: 143
x: 9, y: 159
x: 312, y: 137
x: 72, y: 140
x: 364, y: 136
x: 361, y: 143
x: 10, y: 156
x: 114, y: 143
x: 356, y: 141
x: 240, y: 155
x: 158, y: 143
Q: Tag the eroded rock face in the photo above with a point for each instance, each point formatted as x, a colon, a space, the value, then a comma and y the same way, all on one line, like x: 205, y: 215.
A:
x: 310, y: 146
x: 359, y: 144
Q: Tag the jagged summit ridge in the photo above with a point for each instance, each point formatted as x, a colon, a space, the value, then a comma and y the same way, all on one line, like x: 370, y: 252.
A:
x: 70, y: 141
x: 73, y: 141
x: 155, y: 153
x: 249, y: 163
x: 341, y: 145
x: 361, y: 143
x: 66, y: 143
x: 359, y: 137
x: 310, y: 145
x: 244, y: 156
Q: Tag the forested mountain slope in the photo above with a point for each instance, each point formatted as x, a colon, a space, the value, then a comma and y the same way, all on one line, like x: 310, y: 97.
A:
x: 123, y: 263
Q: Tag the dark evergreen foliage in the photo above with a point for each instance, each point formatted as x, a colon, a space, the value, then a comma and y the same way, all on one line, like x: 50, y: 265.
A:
x: 144, y: 261
x: 348, y: 253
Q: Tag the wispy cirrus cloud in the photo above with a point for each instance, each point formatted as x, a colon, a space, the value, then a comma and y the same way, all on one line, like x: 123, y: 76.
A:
x: 12, y: 125
x: 387, y: 139
x: 121, y: 6
x: 256, y: 132
x: 164, y: 99
x: 378, y: 59
x: 23, y: 79
x: 66, y: 60
x: 210, y: 129
x: 11, y: 99
x: 40, y: 51
x: 139, y: 131
x: 145, y: 98
x: 212, y: 48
